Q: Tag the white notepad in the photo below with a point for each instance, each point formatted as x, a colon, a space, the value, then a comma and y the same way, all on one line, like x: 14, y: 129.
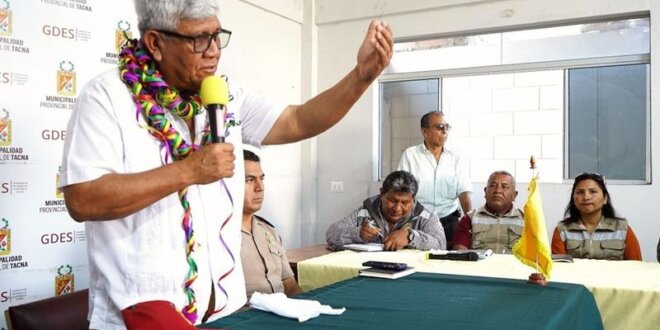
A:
x: 386, y: 273
x: 369, y: 247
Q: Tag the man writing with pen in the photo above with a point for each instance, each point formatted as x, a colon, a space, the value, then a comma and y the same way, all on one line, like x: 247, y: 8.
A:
x: 393, y: 218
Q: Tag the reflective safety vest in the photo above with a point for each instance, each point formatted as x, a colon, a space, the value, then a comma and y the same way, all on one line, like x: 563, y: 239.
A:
x: 495, y: 232
x: 608, y: 241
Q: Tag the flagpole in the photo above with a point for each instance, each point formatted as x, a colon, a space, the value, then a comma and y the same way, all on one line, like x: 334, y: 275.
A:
x: 534, y: 170
x: 536, y: 278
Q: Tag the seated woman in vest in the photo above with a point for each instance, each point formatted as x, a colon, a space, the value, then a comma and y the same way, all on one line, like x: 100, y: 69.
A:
x: 591, y: 228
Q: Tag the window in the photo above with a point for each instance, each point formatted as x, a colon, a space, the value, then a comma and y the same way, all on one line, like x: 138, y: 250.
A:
x: 514, y: 94
x: 403, y: 105
x: 607, y: 122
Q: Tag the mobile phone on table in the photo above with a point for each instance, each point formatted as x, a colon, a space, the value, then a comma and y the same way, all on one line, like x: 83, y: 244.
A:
x: 385, y: 265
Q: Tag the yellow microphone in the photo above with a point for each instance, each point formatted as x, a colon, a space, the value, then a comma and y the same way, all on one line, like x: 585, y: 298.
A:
x: 215, y: 96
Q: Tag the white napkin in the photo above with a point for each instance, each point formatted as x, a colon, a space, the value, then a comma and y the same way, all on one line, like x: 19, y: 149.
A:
x: 301, y: 309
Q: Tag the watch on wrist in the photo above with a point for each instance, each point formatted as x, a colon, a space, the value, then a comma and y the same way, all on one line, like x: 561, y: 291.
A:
x: 411, y: 235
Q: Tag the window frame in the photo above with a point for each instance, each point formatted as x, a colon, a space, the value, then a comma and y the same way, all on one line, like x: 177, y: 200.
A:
x: 513, y: 68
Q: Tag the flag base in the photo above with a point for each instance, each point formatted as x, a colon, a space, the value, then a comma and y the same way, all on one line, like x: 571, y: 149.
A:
x: 538, y: 279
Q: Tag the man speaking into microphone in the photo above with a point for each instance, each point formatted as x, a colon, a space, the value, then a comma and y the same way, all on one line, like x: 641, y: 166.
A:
x: 161, y: 203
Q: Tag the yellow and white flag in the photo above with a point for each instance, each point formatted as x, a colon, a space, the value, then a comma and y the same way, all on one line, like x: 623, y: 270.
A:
x: 533, y: 248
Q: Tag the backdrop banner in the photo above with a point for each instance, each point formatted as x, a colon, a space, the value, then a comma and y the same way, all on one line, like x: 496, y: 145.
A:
x: 49, y: 49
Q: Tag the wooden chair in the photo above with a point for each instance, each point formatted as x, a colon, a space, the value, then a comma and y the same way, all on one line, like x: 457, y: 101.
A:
x: 66, y: 312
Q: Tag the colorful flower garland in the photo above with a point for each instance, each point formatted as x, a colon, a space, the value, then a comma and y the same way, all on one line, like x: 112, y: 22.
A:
x: 153, y: 96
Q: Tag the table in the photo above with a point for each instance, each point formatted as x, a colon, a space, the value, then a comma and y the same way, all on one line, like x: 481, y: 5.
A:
x: 304, y: 253
x: 426, y: 300
x: 627, y: 292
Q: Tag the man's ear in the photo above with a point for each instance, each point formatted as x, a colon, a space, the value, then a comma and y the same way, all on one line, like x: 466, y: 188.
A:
x: 152, y: 41
x: 515, y: 195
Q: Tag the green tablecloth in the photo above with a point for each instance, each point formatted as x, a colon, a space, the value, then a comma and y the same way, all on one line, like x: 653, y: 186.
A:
x: 627, y: 292
x: 425, y: 300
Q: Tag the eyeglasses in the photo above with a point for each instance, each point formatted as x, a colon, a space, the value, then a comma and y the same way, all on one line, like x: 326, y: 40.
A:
x: 441, y: 127
x: 202, y: 43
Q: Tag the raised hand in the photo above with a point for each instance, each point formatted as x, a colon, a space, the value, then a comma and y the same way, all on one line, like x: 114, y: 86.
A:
x: 375, y: 52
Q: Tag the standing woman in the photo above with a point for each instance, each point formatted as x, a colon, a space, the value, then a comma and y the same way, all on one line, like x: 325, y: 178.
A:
x: 591, y: 228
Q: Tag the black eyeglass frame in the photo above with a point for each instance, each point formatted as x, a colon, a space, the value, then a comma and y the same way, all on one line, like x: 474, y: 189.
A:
x: 217, y: 36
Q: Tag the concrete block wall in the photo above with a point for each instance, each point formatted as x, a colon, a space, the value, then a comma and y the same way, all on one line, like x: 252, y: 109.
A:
x: 500, y: 120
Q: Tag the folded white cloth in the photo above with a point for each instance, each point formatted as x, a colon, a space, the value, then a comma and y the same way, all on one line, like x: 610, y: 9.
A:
x: 301, y: 309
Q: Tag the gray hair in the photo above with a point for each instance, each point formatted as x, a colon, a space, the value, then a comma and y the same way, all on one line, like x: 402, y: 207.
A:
x: 165, y: 14
x: 513, y: 180
x: 400, y: 182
